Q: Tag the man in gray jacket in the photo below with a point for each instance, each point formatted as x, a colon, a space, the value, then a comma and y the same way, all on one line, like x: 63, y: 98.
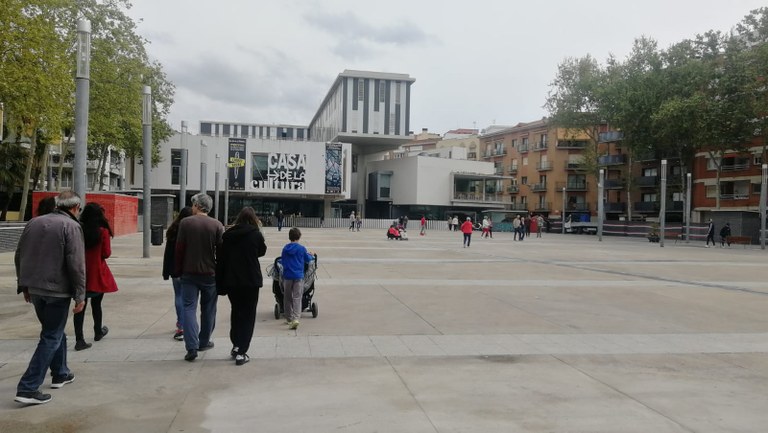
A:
x: 50, y: 267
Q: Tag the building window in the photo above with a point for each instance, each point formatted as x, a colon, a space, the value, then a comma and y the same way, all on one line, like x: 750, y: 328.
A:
x: 382, y: 91
x: 524, y: 180
x: 397, y: 92
x: 543, y: 140
x: 226, y: 129
x: 354, y: 163
x: 176, y: 167
x: 711, y: 191
x: 244, y: 129
x: 205, y: 129
x: 300, y: 134
x: 360, y: 90
x: 525, y: 161
x: 649, y: 198
x: 648, y: 172
x: 758, y: 161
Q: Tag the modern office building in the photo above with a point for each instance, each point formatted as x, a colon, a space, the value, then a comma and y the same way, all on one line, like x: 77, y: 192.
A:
x: 253, y: 130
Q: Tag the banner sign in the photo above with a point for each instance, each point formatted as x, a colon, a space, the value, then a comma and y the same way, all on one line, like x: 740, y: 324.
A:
x: 333, y: 168
x: 236, y: 164
x: 279, y: 171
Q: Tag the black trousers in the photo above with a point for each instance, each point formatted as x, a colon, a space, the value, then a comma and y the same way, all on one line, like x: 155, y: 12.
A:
x: 243, y: 317
x: 79, y: 318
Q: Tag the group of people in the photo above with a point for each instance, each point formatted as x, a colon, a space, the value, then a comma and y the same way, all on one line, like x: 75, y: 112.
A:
x: 61, y: 256
x: 522, y: 226
x: 725, y: 234
x: 355, y: 222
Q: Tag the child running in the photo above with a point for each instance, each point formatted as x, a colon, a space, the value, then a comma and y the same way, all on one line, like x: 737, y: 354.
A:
x: 294, y: 258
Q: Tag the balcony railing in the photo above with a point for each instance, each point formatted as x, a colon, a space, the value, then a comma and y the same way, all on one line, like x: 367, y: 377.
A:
x: 610, y: 136
x: 544, y: 166
x: 646, y: 206
x: 647, y: 181
x: 523, y: 148
x: 735, y: 196
x: 513, y: 189
x: 735, y: 167
x: 543, y: 207
x: 571, y: 144
x: 614, y: 184
x: 539, y: 187
x: 540, y: 146
x: 572, y: 186
x: 499, y: 170
x: 614, y: 207
x: 611, y: 160
x: 581, y: 207
x: 573, y: 166
x: 513, y: 169
x: 477, y: 197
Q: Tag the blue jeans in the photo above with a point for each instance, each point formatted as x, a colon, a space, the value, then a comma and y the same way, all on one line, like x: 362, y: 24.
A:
x: 204, y: 288
x: 178, y: 302
x: 51, y: 351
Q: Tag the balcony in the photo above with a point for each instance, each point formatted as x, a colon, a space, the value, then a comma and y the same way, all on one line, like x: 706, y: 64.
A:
x: 543, y: 207
x: 513, y: 169
x: 647, y: 206
x: 477, y: 197
x: 610, y: 136
x: 614, y: 207
x: 572, y: 144
x: 513, y: 189
x: 606, y: 160
x: 735, y: 196
x: 544, y: 166
x: 613, y: 184
x: 572, y: 186
x: 472, y: 155
x: 523, y: 148
x: 580, y: 207
x: 733, y: 166
x: 539, y: 187
x: 647, y: 181
x: 540, y: 146
x: 569, y: 165
x: 498, y: 170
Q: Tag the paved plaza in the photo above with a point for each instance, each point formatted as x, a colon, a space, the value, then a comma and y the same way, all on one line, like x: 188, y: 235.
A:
x: 558, y: 334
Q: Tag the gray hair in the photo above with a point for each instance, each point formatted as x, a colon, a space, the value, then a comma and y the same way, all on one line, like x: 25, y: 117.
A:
x: 203, y: 201
x: 68, y: 200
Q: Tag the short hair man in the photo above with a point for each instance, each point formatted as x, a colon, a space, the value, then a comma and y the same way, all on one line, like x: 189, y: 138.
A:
x: 197, y: 242
x: 50, y: 267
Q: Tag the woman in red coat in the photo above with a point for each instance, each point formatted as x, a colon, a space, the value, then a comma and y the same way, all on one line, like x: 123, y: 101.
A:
x: 98, y: 278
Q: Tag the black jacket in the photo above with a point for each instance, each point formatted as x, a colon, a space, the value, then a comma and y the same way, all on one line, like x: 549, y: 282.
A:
x: 237, y: 264
x: 169, y: 258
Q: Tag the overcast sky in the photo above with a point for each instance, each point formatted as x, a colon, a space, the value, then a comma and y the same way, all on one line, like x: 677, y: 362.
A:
x: 476, y: 63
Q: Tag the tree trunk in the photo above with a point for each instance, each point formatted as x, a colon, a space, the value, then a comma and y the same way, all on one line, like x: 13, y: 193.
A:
x: 43, y: 175
x: 27, y: 175
x: 98, y: 177
x: 629, y: 187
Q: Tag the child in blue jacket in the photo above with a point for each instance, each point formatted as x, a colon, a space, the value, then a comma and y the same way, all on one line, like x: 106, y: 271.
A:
x: 294, y: 258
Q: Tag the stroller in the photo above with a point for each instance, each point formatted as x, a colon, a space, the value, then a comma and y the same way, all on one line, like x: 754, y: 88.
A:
x: 310, y: 272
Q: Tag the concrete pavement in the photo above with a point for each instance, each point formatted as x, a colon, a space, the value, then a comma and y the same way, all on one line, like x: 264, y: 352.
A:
x: 558, y: 334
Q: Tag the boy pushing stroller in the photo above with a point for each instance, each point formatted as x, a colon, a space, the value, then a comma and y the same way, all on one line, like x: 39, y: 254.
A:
x: 294, y: 285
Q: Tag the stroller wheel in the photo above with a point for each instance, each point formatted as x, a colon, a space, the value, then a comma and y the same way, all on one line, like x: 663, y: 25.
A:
x: 313, y: 307
x: 277, y: 312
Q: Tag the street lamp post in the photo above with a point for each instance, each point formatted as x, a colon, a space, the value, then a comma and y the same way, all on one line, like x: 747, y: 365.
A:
x: 226, y: 200
x: 203, y: 167
x: 216, y: 188
x: 183, y: 168
x: 763, y: 199
x: 600, y: 205
x: 147, y: 165
x: 663, y: 207
x: 82, y: 95
x: 688, y: 199
x: 562, y: 218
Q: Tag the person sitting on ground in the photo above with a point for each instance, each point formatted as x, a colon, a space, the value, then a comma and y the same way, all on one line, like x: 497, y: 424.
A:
x: 393, y: 232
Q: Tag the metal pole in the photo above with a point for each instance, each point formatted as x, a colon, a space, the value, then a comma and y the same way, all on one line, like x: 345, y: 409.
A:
x: 562, y: 219
x: 2, y: 115
x: 663, y: 210
x: 216, y: 188
x: 600, y: 205
x: 147, y: 165
x: 763, y: 199
x: 203, y: 167
x: 688, y: 199
x: 226, y: 201
x: 82, y: 95
x: 183, y: 168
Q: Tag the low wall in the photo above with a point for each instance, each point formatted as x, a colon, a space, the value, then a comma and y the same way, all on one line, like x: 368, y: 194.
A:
x: 121, y: 210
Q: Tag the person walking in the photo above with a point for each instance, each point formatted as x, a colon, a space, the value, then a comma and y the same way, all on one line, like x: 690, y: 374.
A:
x: 294, y: 258
x: 711, y: 233
x: 238, y: 275
x: 521, y: 228
x: 169, y: 260
x: 358, y: 222
x: 98, y: 277
x: 539, y: 225
x: 516, y: 227
x: 423, y: 226
x: 466, y: 229
x: 280, y: 217
x: 725, y: 234
x: 485, y: 227
x: 50, y: 268
x: 352, y: 221
x: 197, y: 243
x: 455, y: 222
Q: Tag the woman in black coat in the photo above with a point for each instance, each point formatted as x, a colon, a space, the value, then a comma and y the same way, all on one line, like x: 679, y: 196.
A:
x: 169, y: 257
x: 238, y: 275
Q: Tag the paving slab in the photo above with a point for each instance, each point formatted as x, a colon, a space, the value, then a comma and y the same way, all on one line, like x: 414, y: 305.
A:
x: 559, y: 334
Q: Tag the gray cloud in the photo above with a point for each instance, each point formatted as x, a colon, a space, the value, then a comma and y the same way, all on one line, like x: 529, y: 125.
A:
x: 359, y: 39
